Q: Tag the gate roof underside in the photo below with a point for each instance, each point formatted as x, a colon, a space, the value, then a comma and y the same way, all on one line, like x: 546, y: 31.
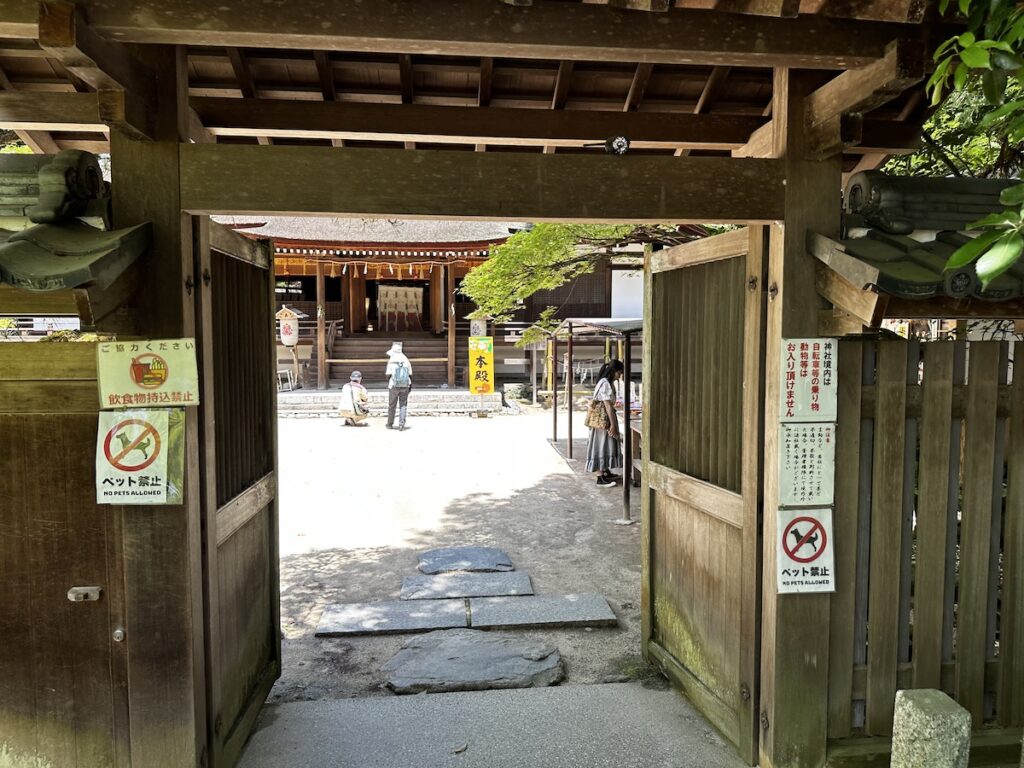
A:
x: 555, y: 76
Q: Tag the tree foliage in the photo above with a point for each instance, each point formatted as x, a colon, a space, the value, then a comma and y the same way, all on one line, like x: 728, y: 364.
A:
x: 980, y: 126
x: 549, y: 255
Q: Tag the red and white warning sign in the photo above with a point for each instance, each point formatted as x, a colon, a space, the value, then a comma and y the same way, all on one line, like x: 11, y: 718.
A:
x: 132, y: 449
x: 804, y: 551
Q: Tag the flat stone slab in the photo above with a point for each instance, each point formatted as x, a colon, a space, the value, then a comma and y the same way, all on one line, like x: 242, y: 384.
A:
x: 447, y: 559
x: 471, y: 660
x: 462, y: 584
x: 390, y: 617
x: 541, y: 611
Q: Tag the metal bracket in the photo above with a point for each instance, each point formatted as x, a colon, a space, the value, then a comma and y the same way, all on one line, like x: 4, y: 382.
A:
x: 84, y: 594
x: 206, y: 276
x: 745, y: 692
x: 764, y: 720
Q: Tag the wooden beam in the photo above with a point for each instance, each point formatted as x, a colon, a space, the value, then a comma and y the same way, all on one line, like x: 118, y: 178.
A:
x: 707, y: 95
x: 877, y: 137
x: 867, y: 88
x: 483, y: 94
x: 868, y: 307
x: 325, y: 72
x: 31, y: 111
x: 406, y: 78
x: 658, y: 6
x: 468, y: 125
x: 563, y: 82
x: 547, y: 30
x: 641, y: 77
x: 834, y: 136
x: 40, y: 142
x: 227, y: 178
x: 247, y: 249
x: 104, y: 65
x: 785, y: 8
x: 14, y: 301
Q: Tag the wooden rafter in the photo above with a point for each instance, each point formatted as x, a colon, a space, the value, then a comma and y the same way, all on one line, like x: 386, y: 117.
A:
x: 641, y: 77
x: 408, y: 85
x: 246, y: 82
x: 231, y: 179
x: 468, y: 125
x: 325, y: 73
x: 485, y: 85
x: 716, y: 80
x: 547, y: 30
x: 563, y: 82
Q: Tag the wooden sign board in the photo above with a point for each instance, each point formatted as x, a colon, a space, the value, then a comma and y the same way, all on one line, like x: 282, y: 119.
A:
x: 148, y: 373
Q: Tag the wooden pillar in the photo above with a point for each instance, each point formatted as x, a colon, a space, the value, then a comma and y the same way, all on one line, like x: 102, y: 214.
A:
x: 321, y: 328
x: 554, y: 390
x: 437, y: 298
x: 163, y: 648
x: 627, y: 432
x: 795, y: 627
x: 450, y: 304
x: 568, y: 394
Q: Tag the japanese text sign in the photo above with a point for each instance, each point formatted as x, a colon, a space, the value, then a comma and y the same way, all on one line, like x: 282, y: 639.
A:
x: 140, y: 456
x: 808, y: 380
x: 481, y: 365
x: 807, y: 459
x: 804, y: 556
x: 153, y: 373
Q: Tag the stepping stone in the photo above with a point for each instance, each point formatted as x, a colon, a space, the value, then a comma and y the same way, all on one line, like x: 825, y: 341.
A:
x: 541, y: 611
x: 460, y: 584
x: 447, y: 559
x: 391, y: 617
x: 470, y: 660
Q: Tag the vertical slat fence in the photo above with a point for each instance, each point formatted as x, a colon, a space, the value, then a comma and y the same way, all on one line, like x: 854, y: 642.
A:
x: 929, y: 531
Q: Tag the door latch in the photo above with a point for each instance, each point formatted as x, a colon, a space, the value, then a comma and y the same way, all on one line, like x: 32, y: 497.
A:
x: 84, y: 594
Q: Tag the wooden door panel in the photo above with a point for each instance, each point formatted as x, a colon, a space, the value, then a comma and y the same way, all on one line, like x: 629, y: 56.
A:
x: 704, y: 328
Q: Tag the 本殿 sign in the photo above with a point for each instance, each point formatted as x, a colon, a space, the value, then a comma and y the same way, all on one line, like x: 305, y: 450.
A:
x: 481, y: 365
x: 148, y: 373
x: 140, y: 456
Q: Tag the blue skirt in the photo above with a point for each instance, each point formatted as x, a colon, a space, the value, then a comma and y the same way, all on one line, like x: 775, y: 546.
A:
x: 603, y: 451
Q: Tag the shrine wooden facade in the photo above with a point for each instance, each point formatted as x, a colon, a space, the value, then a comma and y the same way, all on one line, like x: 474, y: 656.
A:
x: 737, y: 112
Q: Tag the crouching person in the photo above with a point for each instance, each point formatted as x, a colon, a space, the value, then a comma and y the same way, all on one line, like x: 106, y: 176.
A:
x: 355, y: 402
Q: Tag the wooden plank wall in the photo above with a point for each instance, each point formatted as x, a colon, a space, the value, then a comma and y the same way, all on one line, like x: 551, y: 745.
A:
x: 702, y: 395
x: 929, y: 532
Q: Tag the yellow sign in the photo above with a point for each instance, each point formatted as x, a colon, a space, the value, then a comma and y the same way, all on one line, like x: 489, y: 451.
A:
x: 481, y: 365
x: 149, y: 373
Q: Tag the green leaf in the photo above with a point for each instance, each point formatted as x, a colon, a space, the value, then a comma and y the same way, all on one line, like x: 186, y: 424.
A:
x: 1008, y: 61
x: 997, y: 114
x: 976, y: 58
x: 960, y: 75
x: 1000, y: 257
x: 966, y: 39
x: 943, y: 7
x: 968, y: 252
x: 994, y: 220
x: 964, y: 6
x: 1015, y: 132
x: 993, y: 84
x: 1012, y: 195
x: 944, y: 47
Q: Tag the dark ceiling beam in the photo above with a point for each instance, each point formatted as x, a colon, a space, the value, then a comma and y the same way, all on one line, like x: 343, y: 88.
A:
x: 546, y: 30
x: 785, y: 8
x: 563, y: 82
x: 232, y: 179
x: 468, y: 125
x: 408, y: 85
x: 641, y: 77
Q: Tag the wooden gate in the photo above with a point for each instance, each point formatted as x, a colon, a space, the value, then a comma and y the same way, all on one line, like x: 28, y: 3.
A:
x: 703, y: 424
x: 929, y: 535
x: 237, y: 467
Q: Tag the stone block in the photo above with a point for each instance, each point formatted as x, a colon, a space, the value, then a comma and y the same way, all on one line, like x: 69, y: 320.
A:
x: 390, y: 617
x: 481, y: 559
x: 930, y: 731
x: 460, y: 584
x: 541, y: 611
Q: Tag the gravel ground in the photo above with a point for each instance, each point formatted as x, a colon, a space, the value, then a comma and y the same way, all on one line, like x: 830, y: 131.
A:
x: 359, y: 504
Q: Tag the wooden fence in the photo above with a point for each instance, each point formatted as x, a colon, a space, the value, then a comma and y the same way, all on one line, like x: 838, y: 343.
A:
x: 929, y: 531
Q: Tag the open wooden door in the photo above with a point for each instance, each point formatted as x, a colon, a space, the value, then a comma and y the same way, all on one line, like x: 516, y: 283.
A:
x: 238, y: 461
x: 703, y: 371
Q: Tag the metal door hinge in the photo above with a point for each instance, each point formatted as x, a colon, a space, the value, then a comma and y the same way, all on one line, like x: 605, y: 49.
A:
x: 773, y: 291
x: 752, y: 284
x: 189, y: 284
x: 206, y: 276
x: 84, y: 594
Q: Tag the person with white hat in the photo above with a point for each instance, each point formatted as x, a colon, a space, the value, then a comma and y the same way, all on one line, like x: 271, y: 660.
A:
x: 355, y: 402
x: 399, y: 373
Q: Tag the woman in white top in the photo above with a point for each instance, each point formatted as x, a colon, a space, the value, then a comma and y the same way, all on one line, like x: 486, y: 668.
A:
x: 604, y: 450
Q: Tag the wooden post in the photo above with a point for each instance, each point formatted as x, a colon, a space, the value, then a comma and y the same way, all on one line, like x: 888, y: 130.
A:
x: 321, y: 330
x: 619, y: 350
x: 568, y: 395
x: 450, y: 304
x: 554, y: 390
x: 162, y: 545
x: 627, y: 433
x: 549, y: 353
x: 795, y: 627
x: 533, y: 372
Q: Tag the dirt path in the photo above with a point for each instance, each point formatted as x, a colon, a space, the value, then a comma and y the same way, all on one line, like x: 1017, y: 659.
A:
x: 357, y: 505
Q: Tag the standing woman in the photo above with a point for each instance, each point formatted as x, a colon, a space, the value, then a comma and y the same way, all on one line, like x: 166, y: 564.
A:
x: 604, y: 450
